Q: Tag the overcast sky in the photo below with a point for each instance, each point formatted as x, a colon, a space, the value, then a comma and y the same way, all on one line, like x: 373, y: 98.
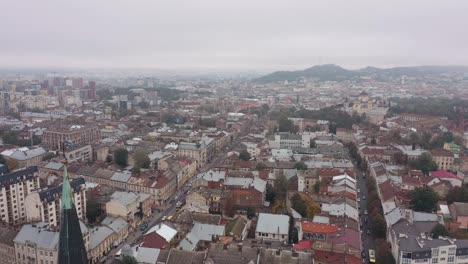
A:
x: 231, y: 35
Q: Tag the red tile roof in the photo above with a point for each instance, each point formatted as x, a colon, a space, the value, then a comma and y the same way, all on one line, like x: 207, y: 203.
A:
x: 328, y: 257
x: 153, y: 240
x: 320, y: 228
x: 441, y: 152
x: 303, y: 244
x: 443, y: 174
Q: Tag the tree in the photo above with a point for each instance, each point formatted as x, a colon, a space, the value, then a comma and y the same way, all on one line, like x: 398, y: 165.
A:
x: 141, y: 160
x: 48, y: 156
x: 383, y: 253
x: 299, y: 205
x: 93, y: 212
x: 10, y: 138
x: 423, y: 163
x: 270, y: 193
x: 457, y: 194
x: 317, y: 187
x: 281, y: 187
x: 129, y: 260
x: 250, y: 213
x: 143, y: 104
x: 293, y: 235
x: 279, y: 207
x: 121, y: 157
x: 285, y: 125
x: 244, y: 155
x: 423, y: 199
x: 439, y: 230
x: 379, y: 227
x: 260, y: 166
x: 300, y: 166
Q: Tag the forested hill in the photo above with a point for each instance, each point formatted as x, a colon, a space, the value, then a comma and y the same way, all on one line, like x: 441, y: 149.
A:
x: 331, y: 72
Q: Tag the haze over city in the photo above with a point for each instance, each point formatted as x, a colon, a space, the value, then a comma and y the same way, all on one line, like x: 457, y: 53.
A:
x: 232, y: 35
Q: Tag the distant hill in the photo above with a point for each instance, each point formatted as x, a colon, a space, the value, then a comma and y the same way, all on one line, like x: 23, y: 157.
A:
x: 331, y: 72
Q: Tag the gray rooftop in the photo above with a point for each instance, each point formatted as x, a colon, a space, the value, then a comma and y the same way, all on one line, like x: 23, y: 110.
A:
x: 273, y: 224
x: 38, y: 235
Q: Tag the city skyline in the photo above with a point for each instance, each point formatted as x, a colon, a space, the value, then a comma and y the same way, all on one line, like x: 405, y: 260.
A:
x: 231, y: 36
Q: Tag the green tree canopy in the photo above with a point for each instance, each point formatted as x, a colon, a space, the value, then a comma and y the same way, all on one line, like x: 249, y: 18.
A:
x: 270, y: 193
x: 244, y: 155
x: 285, y: 125
x: 423, y: 199
x: 457, y: 194
x: 250, y: 212
x: 121, y: 157
x: 439, y: 230
x: 129, y: 260
x: 423, y: 163
x: 281, y: 187
x: 300, y: 166
x: 141, y: 159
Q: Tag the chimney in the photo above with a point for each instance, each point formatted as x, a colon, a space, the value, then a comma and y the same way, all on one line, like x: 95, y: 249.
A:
x: 225, y: 247
x: 239, y: 247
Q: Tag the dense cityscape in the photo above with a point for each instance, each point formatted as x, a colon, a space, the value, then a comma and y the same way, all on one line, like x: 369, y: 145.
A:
x: 233, y: 132
x: 235, y: 170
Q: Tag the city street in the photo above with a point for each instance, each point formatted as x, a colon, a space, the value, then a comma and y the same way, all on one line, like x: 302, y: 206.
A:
x: 367, y: 240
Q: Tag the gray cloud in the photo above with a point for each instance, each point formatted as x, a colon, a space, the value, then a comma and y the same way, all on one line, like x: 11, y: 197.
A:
x: 241, y: 34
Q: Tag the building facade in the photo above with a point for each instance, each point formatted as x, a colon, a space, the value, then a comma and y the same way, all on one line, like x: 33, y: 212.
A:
x: 79, y: 135
x: 45, y: 205
x: 14, y: 188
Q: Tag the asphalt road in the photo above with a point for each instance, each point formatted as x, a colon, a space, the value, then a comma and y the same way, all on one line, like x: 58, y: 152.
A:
x: 366, y: 240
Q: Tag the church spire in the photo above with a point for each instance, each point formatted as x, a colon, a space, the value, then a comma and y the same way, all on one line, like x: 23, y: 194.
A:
x: 71, y: 246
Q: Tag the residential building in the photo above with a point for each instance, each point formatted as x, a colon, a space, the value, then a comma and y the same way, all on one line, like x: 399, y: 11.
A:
x: 79, y: 135
x: 119, y: 226
x: 443, y: 158
x: 201, y: 151
x: 14, y: 188
x: 7, y: 246
x: 344, y: 134
x: 127, y: 205
x: 102, y: 240
x: 201, y: 232
x: 38, y: 244
x: 23, y: 157
x: 459, y: 213
x: 272, y: 227
x: 44, y: 206
x: 78, y: 153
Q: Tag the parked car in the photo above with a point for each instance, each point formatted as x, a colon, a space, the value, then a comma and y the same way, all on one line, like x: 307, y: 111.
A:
x: 365, y: 212
x: 164, y: 218
x: 368, y: 231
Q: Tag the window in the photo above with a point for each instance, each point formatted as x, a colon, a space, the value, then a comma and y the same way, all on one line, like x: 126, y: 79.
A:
x: 435, y: 252
x: 405, y: 261
x: 451, y: 259
x: 435, y: 260
x: 50, y: 254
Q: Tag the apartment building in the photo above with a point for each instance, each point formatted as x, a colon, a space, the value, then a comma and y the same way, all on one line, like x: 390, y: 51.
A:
x: 78, y: 134
x: 44, y: 206
x: 38, y: 244
x: 14, y: 187
x: 23, y: 157
x: 127, y: 205
x: 443, y: 158
x: 202, y: 151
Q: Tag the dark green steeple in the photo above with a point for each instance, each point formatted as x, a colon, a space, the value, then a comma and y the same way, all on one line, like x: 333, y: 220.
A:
x: 71, y: 246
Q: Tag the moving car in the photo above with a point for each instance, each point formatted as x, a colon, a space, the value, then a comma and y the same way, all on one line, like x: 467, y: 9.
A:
x: 164, y: 218
x: 365, y: 212
x: 371, y: 255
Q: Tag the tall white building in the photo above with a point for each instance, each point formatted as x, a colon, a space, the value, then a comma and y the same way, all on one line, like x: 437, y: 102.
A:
x: 44, y: 206
x: 14, y: 187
